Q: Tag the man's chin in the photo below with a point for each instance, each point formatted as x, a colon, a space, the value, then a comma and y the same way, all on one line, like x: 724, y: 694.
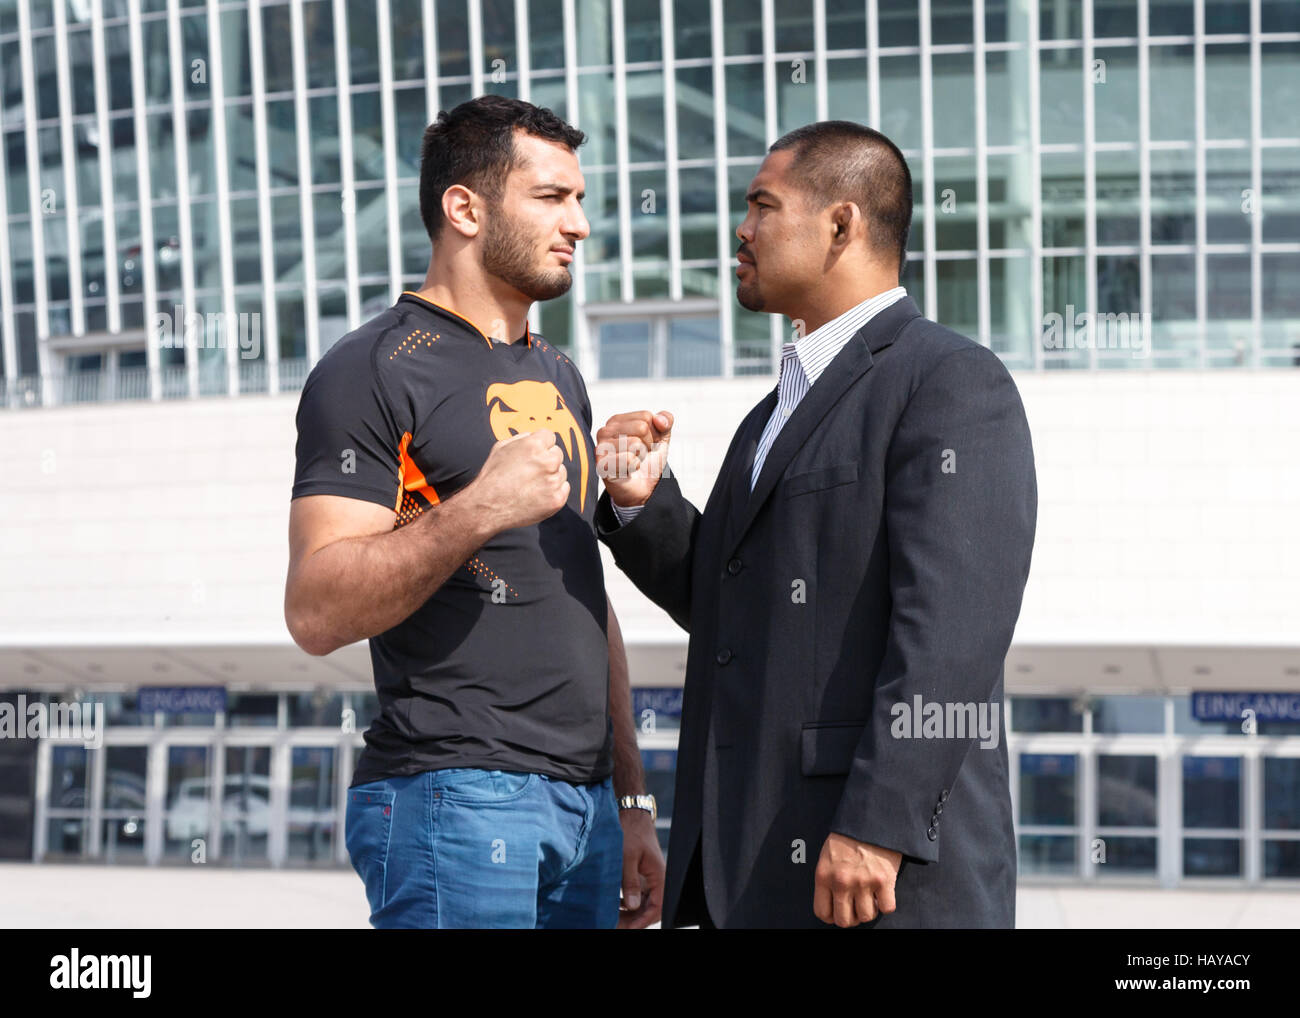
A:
x: 550, y: 286
x: 749, y: 298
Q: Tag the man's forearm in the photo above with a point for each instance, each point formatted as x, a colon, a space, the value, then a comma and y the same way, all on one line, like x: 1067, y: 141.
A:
x: 358, y: 587
x: 629, y: 778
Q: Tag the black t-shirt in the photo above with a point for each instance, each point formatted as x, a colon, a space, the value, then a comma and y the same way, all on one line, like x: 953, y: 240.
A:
x: 506, y: 666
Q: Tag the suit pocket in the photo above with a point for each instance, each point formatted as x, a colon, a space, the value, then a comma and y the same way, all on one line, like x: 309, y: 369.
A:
x: 820, y: 479
x: 827, y: 747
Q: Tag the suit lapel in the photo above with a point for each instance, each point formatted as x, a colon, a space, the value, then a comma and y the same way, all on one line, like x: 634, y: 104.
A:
x: 742, y: 461
x: 850, y: 364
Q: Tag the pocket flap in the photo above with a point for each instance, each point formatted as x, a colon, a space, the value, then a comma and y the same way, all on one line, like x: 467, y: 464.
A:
x: 824, y: 477
x: 828, y: 746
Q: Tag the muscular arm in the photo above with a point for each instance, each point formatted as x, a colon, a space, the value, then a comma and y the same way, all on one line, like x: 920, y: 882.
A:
x: 352, y: 576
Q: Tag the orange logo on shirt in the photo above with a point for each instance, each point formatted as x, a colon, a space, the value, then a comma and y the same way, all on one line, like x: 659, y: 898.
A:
x: 519, y: 407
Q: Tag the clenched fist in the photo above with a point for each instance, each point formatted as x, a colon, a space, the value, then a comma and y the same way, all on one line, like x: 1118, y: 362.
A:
x: 523, y: 481
x: 632, y: 454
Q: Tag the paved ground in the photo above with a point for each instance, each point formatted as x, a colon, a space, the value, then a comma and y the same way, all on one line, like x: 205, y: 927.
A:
x: 130, y: 897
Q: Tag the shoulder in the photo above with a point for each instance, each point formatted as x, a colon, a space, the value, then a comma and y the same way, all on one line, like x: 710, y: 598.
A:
x: 559, y: 363
x: 930, y: 348
x: 366, y: 357
x: 361, y: 377
x: 555, y: 354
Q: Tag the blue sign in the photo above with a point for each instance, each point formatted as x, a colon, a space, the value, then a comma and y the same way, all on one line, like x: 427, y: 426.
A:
x: 182, y: 699
x: 664, y: 701
x: 1233, y: 706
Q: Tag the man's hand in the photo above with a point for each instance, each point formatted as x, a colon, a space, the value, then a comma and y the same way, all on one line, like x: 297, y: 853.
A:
x: 523, y: 481
x: 632, y: 454
x: 643, y: 871
x: 854, y: 880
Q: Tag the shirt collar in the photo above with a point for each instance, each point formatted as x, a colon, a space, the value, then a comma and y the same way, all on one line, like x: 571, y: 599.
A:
x: 817, y: 349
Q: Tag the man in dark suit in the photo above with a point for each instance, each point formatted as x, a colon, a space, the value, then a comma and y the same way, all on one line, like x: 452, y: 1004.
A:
x: 851, y: 586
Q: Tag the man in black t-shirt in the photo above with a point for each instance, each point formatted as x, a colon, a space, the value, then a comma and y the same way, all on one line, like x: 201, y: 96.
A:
x: 443, y: 508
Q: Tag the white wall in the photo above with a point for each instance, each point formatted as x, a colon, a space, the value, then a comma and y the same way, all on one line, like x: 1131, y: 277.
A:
x: 1169, y: 512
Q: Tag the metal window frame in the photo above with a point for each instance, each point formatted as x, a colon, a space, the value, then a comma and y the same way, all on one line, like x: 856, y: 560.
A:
x: 144, y: 188
x: 71, y: 202
x: 388, y: 118
x: 265, y: 223
x: 39, y: 266
x: 184, y: 219
x: 722, y: 189
x: 583, y: 349
x: 347, y: 169
x: 220, y: 155
x: 623, y: 174
x: 927, y: 163
x: 306, y: 194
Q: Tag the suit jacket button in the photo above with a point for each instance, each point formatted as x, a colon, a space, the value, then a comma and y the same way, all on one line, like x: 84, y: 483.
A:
x: 938, y: 807
x: 934, y: 820
x: 734, y: 566
x: 724, y: 655
x: 943, y: 796
x: 932, y: 834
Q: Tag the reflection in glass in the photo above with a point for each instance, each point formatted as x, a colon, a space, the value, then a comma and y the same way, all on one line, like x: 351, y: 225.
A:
x: 246, y: 804
x: 660, y: 767
x: 1211, y: 857
x: 1212, y: 791
x: 624, y: 349
x: 1047, y: 788
x: 1048, y: 854
x: 1281, y: 794
x: 1046, y: 714
x: 1126, y: 855
x: 1126, y: 791
x: 123, y: 823
x: 694, y: 347
x: 1113, y: 715
x: 189, y: 788
x: 311, y: 804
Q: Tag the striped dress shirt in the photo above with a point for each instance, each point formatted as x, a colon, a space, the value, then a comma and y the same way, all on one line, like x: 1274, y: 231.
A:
x: 802, y: 363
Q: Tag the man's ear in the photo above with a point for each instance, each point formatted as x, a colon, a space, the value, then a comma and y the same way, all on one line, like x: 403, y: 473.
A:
x: 458, y: 210
x: 842, y: 222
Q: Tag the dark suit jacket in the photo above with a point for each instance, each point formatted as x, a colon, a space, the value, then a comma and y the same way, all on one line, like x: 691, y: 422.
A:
x: 881, y: 557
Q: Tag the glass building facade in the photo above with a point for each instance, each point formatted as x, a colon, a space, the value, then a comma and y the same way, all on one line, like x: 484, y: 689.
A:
x: 202, y: 197
x: 1107, y: 788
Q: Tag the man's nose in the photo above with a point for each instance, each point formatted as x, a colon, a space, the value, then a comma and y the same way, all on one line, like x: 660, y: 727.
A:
x: 578, y: 226
x: 743, y: 233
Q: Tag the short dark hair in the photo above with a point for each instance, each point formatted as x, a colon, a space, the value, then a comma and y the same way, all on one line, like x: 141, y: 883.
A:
x: 474, y: 146
x: 839, y: 160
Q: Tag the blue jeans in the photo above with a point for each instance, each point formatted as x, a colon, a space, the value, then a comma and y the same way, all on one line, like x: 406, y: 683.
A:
x: 464, y: 847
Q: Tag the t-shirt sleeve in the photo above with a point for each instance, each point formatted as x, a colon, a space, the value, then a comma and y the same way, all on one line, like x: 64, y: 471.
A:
x: 585, y: 408
x: 349, y: 440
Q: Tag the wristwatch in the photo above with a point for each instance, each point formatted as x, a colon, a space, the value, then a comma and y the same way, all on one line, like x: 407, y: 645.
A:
x: 645, y: 802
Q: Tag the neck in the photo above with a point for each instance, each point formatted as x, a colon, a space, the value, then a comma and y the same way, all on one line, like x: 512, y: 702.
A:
x: 498, y: 311
x: 828, y: 304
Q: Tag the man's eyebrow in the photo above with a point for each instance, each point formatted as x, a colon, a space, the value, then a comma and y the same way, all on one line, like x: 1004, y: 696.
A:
x: 562, y: 188
x: 761, y: 192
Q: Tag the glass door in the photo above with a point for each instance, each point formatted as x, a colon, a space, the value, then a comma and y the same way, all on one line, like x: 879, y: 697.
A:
x: 246, y: 805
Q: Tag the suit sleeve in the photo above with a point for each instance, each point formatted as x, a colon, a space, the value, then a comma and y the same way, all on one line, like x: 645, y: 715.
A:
x: 657, y: 548
x: 960, y: 509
